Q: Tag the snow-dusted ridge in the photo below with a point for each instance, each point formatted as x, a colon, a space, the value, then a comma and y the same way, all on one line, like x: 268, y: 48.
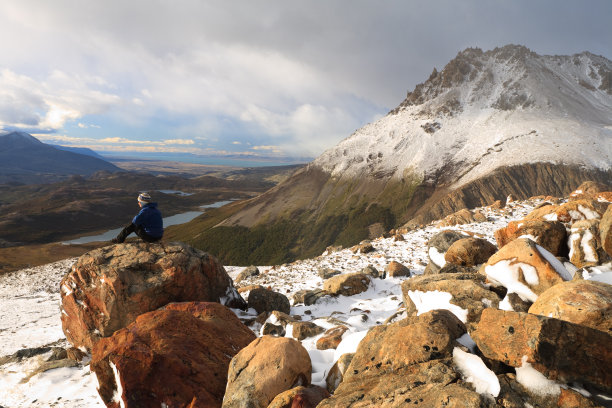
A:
x: 486, y: 110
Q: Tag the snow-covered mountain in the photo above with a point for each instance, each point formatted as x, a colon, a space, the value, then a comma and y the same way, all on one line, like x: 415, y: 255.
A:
x: 490, y: 124
x: 485, y: 110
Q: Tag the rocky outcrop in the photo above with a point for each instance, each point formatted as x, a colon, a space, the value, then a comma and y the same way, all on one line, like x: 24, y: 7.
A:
x: 518, y: 339
x: 525, y: 268
x: 348, y: 284
x: 173, y: 357
x: 551, y: 235
x: 109, y: 287
x: 588, y: 303
x: 265, y: 368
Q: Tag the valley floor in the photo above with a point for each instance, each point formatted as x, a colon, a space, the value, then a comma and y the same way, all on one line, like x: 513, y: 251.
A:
x: 30, y: 313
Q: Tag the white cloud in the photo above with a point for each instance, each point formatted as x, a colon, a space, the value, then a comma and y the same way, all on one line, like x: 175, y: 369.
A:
x: 50, y: 103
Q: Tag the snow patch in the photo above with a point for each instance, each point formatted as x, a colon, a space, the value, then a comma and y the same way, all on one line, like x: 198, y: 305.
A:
x: 507, y: 273
x: 475, y: 371
x: 118, y: 394
x: 535, y: 381
x: 437, y: 257
x: 555, y: 263
x: 434, y: 300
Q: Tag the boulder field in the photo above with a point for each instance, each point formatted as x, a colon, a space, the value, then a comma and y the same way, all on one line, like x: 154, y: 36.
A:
x: 508, y: 325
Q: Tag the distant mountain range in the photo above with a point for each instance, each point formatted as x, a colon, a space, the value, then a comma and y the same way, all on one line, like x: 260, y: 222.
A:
x: 490, y: 124
x: 25, y: 159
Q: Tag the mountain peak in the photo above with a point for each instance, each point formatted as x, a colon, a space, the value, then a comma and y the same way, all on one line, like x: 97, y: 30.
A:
x: 16, y: 139
x: 504, y: 107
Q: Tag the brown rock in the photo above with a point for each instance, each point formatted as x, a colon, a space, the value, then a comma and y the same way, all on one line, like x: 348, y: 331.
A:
x: 300, y: 397
x: 551, y: 235
x: 585, y: 209
x: 308, y: 297
x: 605, y: 231
x: 525, y: 268
x: 467, y: 291
x: 348, y: 284
x: 428, y: 384
x: 303, y: 330
x: 560, y: 350
x: 469, y: 251
x: 332, y: 338
x: 585, y: 244
x: 265, y: 368
x: 336, y: 373
x: 264, y: 300
x: 588, y: 303
x: 416, y: 339
x: 544, y: 212
x: 170, y: 356
x: 109, y: 287
x: 249, y: 288
x: 395, y: 269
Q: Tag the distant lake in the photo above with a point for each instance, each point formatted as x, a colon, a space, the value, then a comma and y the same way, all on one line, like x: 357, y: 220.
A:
x: 176, y: 219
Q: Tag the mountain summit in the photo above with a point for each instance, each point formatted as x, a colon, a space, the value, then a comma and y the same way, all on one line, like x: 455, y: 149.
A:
x: 490, y: 124
x: 487, y: 110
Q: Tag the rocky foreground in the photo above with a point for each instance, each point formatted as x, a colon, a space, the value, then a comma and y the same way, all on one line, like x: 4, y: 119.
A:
x: 521, y: 317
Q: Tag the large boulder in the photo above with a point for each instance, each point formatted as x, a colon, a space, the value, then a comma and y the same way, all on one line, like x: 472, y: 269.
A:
x: 265, y: 368
x: 525, y: 268
x: 347, y: 284
x: 560, y: 350
x: 172, y: 357
x: 588, y: 303
x: 264, y: 300
x: 395, y: 269
x: 464, y: 294
x: 403, y: 363
x: 416, y: 339
x: 107, y: 288
x: 585, y: 244
x: 469, y: 251
x: 551, y: 235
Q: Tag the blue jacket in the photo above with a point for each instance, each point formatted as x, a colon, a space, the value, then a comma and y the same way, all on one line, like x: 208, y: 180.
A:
x: 150, y: 219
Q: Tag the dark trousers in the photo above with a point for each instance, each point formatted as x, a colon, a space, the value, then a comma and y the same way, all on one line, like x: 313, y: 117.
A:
x: 138, y: 230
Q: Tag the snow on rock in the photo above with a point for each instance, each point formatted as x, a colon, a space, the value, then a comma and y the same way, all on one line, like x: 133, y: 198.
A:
x: 476, y: 372
x: 535, y: 381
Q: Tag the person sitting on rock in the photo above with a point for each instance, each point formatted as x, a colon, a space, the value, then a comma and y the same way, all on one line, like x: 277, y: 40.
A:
x: 147, y: 224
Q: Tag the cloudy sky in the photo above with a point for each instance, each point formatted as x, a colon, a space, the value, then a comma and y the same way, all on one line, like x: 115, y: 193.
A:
x: 257, y: 77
